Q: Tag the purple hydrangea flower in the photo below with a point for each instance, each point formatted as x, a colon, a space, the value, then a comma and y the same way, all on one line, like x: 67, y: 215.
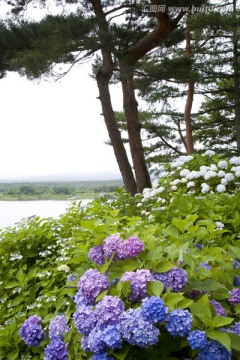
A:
x: 32, y: 332
x: 197, y: 339
x: 138, y: 280
x: 236, y: 328
x: 236, y: 280
x: 137, y: 331
x: 101, y: 339
x: 154, y: 309
x: 92, y: 283
x: 199, y: 246
x: 131, y: 247
x: 85, y: 343
x: 175, y: 278
x: 214, y: 350
x: 108, y: 310
x: 193, y: 294
x: 235, y: 264
x: 101, y: 356
x: 235, y: 296
x: 179, y: 322
x: 220, y: 311
x: 71, y: 277
x: 56, y: 350
x: 96, y: 255
x: 79, y: 299
x: 205, y: 265
x: 112, y: 245
x: 84, y: 319
x: 58, y: 327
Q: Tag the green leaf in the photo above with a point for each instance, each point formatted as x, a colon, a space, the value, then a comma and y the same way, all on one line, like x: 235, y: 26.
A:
x: 100, y: 296
x: 13, y: 355
x: 203, y: 309
x: 122, y: 353
x: 234, y: 251
x: 235, y: 341
x: 222, y: 321
x: 221, y: 337
x: 19, y: 275
x: 155, y: 288
x: 130, y: 265
x: 206, y: 285
x: 163, y: 266
x: 12, y: 284
x: 185, y: 303
x: 182, y: 224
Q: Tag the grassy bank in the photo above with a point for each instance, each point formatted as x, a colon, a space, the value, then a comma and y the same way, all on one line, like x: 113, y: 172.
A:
x: 57, y: 190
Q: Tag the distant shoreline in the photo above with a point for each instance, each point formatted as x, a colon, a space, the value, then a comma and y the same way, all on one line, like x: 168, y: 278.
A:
x: 57, y: 190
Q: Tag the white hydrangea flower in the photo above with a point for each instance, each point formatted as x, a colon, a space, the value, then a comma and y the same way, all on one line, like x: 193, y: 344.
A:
x: 155, y: 183
x: 205, y: 188
x: 209, y: 153
x: 229, y: 177
x: 224, y: 181
x: 174, y: 188
x: 63, y: 267
x: 210, y: 174
x: 221, y: 188
x: 237, y: 173
x: 213, y: 167
x: 184, y: 172
x: 175, y: 182
x: 146, y: 190
x: 219, y: 225
x: 221, y: 173
x: 184, y: 180
x: 190, y: 184
x: 235, y: 160
x: 139, y: 204
x: 222, y: 164
x: 160, y: 190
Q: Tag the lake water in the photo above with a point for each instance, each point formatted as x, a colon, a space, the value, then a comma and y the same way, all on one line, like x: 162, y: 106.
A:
x: 13, y: 211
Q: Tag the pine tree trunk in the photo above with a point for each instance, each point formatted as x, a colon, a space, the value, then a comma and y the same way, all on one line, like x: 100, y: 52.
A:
x: 114, y: 133
x: 189, y: 101
x: 134, y: 129
x: 236, y: 85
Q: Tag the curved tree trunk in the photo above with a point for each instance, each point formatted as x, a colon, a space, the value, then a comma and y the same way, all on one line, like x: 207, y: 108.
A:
x: 114, y: 133
x: 189, y: 101
x: 134, y: 129
x: 236, y: 84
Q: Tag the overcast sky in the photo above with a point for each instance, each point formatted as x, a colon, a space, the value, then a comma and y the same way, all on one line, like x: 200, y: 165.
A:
x: 52, y: 128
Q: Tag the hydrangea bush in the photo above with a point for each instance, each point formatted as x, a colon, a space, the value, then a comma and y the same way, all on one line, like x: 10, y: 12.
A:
x: 119, y: 280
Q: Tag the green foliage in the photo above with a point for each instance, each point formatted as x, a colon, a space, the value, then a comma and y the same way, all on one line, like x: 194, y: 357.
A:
x: 38, y: 255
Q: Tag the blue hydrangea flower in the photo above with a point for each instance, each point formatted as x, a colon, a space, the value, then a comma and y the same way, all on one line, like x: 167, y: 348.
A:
x: 101, y: 356
x: 205, y: 265
x: 199, y: 246
x: 214, y: 350
x: 235, y: 296
x: 131, y: 247
x: 236, y: 280
x: 91, y: 284
x: 138, y: 280
x: 220, y: 311
x: 108, y: 310
x: 58, y: 327
x: 101, y: 339
x: 112, y: 245
x: 179, y: 322
x: 197, y: 339
x: 84, y: 319
x: 32, y: 332
x: 137, y: 331
x: 175, y: 278
x: 236, y: 328
x: 235, y: 264
x: 85, y: 343
x: 56, y: 350
x: 154, y: 309
x: 96, y: 254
